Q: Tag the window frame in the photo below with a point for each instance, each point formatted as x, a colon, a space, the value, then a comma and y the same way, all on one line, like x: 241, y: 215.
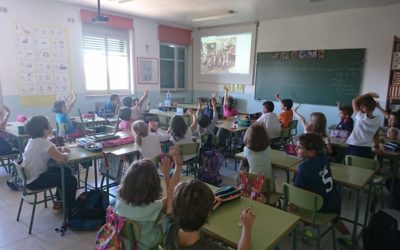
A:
x: 176, y: 62
x: 108, y: 33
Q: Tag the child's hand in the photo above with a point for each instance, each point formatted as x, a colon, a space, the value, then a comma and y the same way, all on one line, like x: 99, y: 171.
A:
x: 226, y: 88
x: 165, y: 166
x: 277, y: 95
x: 373, y: 94
x: 338, y: 104
x: 247, y: 218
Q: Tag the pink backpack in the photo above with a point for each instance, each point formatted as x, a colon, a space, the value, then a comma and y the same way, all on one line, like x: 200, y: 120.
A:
x: 108, y: 236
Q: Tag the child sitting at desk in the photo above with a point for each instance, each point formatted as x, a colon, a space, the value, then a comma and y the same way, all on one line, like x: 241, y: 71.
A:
x: 36, y: 155
x: 5, y: 146
x: 148, y: 143
x: 206, y: 124
x: 393, y: 132
x: 270, y: 121
x: 112, y: 106
x: 257, y: 151
x: 139, y: 197
x: 315, y: 175
x: 125, y: 115
x: 62, y: 108
x: 286, y: 116
x: 365, y: 132
x: 317, y: 126
x: 180, y: 132
x: 345, y: 113
x: 189, y: 210
x: 228, y: 107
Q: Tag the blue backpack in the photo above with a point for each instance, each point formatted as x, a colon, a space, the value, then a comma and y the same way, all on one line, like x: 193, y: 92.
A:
x: 88, y: 211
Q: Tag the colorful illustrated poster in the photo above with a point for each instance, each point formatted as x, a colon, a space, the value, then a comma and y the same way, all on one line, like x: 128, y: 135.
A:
x: 42, y: 63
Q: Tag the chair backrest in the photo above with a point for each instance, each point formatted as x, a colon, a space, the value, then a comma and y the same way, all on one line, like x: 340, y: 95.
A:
x: 209, y: 140
x: 285, y: 132
x: 22, y: 173
x: 301, y: 198
x: 189, y: 149
x: 130, y: 234
x: 293, y: 127
x: 361, y: 162
x: 268, y: 186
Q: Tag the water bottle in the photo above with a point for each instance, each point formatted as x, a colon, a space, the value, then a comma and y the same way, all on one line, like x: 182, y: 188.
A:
x: 168, y: 98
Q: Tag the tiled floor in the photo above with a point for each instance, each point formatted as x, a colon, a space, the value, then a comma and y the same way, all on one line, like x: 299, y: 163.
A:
x: 14, y: 235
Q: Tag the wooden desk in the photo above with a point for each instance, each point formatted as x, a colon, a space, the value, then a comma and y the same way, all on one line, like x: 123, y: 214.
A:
x: 356, y: 179
x: 165, y: 116
x: 279, y: 160
x: 22, y: 139
x: 229, y: 124
x: 270, y: 225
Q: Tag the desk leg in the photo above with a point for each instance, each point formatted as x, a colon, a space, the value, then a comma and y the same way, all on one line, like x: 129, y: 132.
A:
x: 356, y: 215
x: 63, y: 198
x: 287, y: 176
x: 95, y: 172
x: 295, y: 232
x: 395, y: 166
x: 367, y: 209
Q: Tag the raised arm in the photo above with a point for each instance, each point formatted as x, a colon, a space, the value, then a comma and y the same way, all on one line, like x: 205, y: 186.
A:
x: 176, y: 155
x: 143, y: 97
x: 225, y: 96
x: 300, y: 117
x: 384, y: 112
x: 278, y: 98
x: 199, y: 107
x: 247, y: 219
x: 355, y: 102
x: 5, y: 115
x: 71, y: 102
x: 338, y: 104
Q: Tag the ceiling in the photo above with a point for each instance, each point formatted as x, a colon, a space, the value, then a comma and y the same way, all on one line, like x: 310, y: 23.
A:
x: 181, y: 12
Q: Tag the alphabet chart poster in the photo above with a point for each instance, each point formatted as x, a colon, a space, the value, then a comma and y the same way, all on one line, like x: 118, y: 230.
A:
x: 42, y: 63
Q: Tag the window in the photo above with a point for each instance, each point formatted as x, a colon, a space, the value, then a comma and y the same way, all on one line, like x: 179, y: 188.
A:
x: 106, y: 59
x: 172, y: 67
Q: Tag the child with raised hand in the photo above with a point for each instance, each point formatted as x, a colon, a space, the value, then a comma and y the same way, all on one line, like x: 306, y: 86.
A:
x: 62, y: 109
x: 5, y: 146
x: 137, y: 108
x: 189, y: 210
x: 365, y: 132
x: 257, y: 150
x: 345, y: 113
x: 205, y: 123
x: 139, y: 197
x: 36, y: 155
x: 270, y: 121
x: 228, y: 108
x: 148, y: 143
x: 317, y: 125
x: 286, y: 116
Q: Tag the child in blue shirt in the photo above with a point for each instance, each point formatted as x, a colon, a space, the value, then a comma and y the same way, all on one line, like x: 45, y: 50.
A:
x: 112, y: 106
x: 345, y: 113
x: 62, y: 108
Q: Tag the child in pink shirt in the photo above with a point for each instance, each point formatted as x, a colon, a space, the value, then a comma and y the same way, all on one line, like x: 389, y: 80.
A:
x: 229, y: 109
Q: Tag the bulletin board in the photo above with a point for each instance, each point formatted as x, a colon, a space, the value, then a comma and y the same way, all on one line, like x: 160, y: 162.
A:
x: 43, y: 66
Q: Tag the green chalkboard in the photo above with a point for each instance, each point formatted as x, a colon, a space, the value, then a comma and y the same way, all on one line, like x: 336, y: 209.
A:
x: 337, y: 76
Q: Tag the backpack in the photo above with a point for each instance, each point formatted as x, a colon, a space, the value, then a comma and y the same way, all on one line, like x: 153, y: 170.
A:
x: 88, y: 211
x: 108, y: 236
x: 381, y: 233
x: 225, y: 194
x: 210, y: 162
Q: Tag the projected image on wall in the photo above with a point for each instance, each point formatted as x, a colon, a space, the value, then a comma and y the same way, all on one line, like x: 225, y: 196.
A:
x: 225, y: 54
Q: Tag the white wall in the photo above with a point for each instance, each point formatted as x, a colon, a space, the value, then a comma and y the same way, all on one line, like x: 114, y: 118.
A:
x: 50, y: 12
x: 370, y: 28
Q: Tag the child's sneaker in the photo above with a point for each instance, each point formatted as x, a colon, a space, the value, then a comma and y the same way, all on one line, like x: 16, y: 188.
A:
x: 58, y: 206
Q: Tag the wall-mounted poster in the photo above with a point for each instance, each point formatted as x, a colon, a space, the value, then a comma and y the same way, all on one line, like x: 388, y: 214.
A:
x: 147, y: 70
x: 43, y: 63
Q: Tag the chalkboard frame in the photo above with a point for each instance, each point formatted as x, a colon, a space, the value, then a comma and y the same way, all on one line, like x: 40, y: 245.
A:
x: 300, y: 79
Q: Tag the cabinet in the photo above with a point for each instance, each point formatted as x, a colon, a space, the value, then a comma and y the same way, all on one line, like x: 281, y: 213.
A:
x: 393, y: 96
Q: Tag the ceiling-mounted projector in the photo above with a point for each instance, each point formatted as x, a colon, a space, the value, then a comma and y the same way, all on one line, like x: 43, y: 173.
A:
x: 99, y: 19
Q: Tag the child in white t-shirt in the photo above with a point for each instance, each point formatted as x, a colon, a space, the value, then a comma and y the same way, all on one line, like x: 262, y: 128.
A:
x: 270, y: 121
x: 365, y: 132
x: 36, y: 155
x: 149, y: 144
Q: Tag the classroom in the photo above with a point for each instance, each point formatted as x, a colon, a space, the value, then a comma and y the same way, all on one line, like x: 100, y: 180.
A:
x: 178, y: 59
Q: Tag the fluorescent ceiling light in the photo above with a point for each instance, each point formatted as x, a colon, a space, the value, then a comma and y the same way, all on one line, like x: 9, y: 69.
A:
x: 214, y: 17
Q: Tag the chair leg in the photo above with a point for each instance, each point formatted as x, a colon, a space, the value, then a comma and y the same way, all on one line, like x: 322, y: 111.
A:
x: 333, y: 235
x: 382, y: 198
x: 51, y: 195
x: 318, y: 239
x: 33, y: 214
x: 86, y: 178
x: 20, y: 208
x: 45, y: 199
